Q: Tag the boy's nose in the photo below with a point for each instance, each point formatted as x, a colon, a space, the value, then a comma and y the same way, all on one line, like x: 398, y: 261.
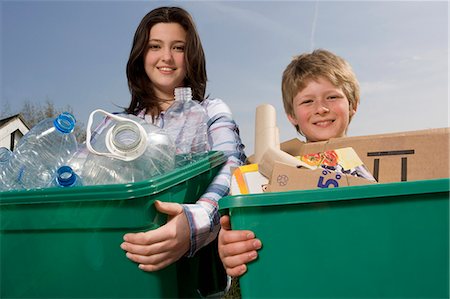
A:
x: 322, y: 109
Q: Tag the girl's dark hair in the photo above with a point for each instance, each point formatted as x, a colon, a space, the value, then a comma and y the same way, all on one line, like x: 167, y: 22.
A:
x: 140, y: 86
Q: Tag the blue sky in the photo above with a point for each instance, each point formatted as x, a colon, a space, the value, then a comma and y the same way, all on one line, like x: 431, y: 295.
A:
x: 74, y: 53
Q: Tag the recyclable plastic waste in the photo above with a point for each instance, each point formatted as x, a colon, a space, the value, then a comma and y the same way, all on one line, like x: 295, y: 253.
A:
x: 76, y: 162
x: 186, y: 122
x: 65, y: 176
x: 5, y: 156
x: 125, y: 148
x: 38, y: 154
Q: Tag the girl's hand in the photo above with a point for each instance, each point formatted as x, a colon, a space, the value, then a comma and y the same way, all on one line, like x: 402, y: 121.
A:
x: 156, y: 249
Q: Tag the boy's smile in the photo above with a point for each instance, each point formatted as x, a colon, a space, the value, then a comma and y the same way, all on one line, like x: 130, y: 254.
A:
x: 321, y: 110
x: 324, y: 123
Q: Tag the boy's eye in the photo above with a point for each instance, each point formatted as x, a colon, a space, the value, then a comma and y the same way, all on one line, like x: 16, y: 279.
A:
x: 334, y: 97
x: 304, y: 102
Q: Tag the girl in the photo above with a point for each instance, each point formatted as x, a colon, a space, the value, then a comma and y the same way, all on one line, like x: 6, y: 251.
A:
x: 167, y: 53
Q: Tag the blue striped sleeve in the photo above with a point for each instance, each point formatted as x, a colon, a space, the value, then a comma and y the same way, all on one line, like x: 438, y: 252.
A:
x: 223, y: 134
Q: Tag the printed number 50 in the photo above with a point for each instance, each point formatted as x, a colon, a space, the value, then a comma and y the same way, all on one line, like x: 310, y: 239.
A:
x: 329, y: 182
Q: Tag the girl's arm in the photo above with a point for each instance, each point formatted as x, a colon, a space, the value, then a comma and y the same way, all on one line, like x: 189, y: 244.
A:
x: 223, y: 134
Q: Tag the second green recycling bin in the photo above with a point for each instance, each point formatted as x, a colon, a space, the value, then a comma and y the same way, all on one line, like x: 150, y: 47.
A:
x: 375, y: 241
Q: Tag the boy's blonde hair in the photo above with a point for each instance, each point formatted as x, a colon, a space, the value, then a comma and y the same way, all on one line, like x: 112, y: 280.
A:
x: 310, y: 66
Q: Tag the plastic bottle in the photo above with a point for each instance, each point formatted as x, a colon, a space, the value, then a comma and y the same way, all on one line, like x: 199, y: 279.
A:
x: 5, y: 156
x: 126, y: 149
x: 76, y: 162
x: 186, y: 122
x: 66, y: 177
x: 47, y: 146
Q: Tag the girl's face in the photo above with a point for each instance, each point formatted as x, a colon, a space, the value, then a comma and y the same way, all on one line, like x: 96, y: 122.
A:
x: 164, y: 61
x: 321, y: 110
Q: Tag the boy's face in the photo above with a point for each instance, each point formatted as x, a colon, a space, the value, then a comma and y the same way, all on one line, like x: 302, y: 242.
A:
x: 321, y: 110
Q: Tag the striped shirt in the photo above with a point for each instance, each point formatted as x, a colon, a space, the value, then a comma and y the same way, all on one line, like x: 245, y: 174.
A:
x: 223, y: 135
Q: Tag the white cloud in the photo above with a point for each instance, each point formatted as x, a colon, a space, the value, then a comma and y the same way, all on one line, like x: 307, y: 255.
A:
x: 376, y: 87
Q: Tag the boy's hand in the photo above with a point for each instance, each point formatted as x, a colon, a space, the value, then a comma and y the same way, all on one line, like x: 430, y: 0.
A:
x: 236, y: 248
x: 156, y: 249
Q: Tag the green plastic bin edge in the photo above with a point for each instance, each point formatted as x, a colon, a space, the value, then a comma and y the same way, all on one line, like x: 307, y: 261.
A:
x: 114, y: 191
x: 335, y: 194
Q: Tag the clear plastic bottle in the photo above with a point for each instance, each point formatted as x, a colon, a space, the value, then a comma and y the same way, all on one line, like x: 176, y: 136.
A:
x: 5, y: 156
x: 186, y: 122
x: 126, y: 149
x: 66, y: 177
x: 78, y: 159
x: 47, y: 146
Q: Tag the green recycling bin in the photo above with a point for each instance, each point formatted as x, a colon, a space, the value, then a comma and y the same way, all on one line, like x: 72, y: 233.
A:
x: 65, y: 242
x: 374, y: 241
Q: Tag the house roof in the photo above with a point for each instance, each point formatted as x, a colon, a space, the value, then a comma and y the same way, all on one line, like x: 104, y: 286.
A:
x: 4, y: 121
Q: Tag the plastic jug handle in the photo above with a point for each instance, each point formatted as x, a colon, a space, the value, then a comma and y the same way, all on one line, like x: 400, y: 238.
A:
x: 122, y: 156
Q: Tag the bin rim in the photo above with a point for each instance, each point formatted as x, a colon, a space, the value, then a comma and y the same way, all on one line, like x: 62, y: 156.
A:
x: 335, y: 194
x: 110, y: 192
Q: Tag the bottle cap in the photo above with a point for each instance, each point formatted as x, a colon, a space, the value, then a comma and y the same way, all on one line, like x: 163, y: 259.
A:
x: 66, y: 176
x: 125, y: 139
x: 65, y: 122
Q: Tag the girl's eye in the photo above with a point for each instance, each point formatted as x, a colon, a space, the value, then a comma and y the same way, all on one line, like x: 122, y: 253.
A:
x: 179, y: 48
x: 153, y: 47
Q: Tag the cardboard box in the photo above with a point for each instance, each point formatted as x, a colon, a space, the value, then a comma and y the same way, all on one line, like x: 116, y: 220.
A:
x: 394, y: 157
x: 288, y: 178
x: 331, y: 169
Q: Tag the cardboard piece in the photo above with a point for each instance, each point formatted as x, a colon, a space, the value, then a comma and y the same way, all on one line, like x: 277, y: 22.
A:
x: 394, y: 157
x: 343, y: 160
x: 272, y: 155
x: 288, y: 178
x: 266, y: 131
x: 329, y: 169
x: 247, y: 180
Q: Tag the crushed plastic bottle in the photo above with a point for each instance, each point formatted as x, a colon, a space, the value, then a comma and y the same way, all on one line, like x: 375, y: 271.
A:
x: 126, y: 149
x: 186, y: 122
x: 5, y: 156
x: 66, y: 177
x: 47, y: 146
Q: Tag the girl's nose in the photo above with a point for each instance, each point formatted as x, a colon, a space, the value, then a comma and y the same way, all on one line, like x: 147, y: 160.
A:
x: 166, y: 55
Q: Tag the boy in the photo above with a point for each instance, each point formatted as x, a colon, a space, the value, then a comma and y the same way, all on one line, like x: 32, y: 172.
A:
x: 320, y: 97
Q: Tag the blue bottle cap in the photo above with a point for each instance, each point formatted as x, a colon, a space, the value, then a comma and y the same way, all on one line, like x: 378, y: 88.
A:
x: 66, y: 176
x: 65, y: 122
